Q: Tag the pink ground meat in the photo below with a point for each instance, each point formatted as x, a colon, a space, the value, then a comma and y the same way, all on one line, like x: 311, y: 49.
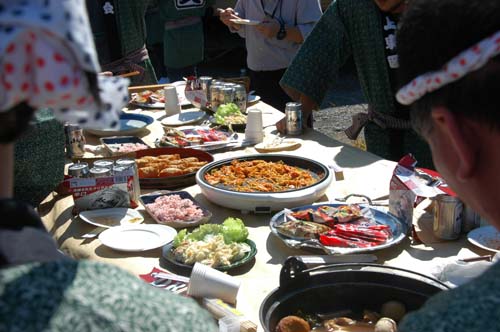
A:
x: 173, y: 207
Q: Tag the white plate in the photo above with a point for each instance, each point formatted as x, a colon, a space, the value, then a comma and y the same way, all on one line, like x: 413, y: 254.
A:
x: 111, y: 217
x: 285, y: 145
x: 486, y: 237
x: 183, y: 118
x: 243, y: 21
x: 138, y: 237
x: 252, y: 99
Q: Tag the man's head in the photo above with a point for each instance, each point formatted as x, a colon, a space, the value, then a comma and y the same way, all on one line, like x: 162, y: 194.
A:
x: 460, y: 120
x: 391, y: 6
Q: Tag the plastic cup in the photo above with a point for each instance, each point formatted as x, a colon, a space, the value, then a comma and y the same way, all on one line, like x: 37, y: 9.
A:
x: 254, y: 132
x: 208, y: 282
x: 172, y: 105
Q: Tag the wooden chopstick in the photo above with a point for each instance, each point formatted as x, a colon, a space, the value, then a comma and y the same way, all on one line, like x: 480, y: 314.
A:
x: 132, y: 73
x: 478, y: 258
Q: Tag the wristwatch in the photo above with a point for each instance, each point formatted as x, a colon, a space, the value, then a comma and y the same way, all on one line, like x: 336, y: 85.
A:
x: 281, y: 32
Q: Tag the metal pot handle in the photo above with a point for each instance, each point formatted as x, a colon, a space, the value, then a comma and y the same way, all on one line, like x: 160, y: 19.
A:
x: 294, y: 270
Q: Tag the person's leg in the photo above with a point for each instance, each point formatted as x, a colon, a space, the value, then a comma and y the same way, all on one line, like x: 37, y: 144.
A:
x: 266, y: 85
x: 178, y: 74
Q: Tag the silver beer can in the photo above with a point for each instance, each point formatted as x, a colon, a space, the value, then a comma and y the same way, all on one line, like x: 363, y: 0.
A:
x: 206, y: 82
x: 470, y: 219
x: 78, y: 170
x: 75, y: 141
x: 226, y: 95
x: 100, y: 172
x: 240, y: 97
x: 133, y: 170
x: 214, y: 95
x: 447, y: 217
x: 104, y: 163
x: 293, y: 118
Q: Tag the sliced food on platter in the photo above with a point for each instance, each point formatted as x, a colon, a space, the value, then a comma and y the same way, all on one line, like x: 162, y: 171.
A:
x: 175, y: 208
x: 111, y: 217
x: 337, y: 228
x: 138, y: 237
x: 222, y: 246
x: 118, y: 145
x: 155, y: 98
x: 196, y: 137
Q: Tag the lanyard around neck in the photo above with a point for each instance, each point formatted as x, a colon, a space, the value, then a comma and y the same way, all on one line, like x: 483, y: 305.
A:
x: 278, y: 4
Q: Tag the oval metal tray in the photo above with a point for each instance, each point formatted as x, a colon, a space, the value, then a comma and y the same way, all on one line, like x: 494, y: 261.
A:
x: 398, y: 228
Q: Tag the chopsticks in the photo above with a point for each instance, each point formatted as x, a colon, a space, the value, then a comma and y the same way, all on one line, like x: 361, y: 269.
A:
x: 129, y: 74
x: 488, y: 258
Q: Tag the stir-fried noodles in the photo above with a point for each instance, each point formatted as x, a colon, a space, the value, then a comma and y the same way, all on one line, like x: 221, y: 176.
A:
x: 260, y: 176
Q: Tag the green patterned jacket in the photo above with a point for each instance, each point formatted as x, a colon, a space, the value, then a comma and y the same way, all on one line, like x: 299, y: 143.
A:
x: 91, y: 296
x: 352, y: 28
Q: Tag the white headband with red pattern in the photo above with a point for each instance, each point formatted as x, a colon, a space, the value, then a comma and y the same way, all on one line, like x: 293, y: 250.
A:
x: 467, y: 61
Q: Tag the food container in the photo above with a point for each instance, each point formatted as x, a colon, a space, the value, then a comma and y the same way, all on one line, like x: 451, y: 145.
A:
x: 78, y: 170
x: 172, y: 182
x: 100, y: 172
x: 150, y: 198
x: 265, y: 202
x: 340, y: 287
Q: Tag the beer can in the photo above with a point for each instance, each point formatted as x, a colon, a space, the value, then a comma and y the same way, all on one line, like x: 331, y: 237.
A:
x: 293, y: 118
x: 99, y: 172
x: 78, y: 170
x: 104, y: 163
x: 226, y: 95
x: 214, y: 95
x: 240, y: 97
x: 206, y: 82
x: 448, y: 214
x: 75, y: 141
x: 132, y: 167
x: 470, y: 219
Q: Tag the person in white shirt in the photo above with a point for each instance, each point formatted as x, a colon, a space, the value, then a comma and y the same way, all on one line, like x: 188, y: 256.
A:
x: 278, y: 29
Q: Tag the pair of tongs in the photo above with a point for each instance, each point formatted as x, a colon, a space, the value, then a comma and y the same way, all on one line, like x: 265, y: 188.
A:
x: 379, y: 201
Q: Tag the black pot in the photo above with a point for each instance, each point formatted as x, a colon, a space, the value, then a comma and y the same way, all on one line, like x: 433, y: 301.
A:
x: 339, y: 287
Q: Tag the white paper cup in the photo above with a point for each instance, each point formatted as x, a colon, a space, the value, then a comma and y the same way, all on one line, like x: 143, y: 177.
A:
x: 254, y: 132
x: 208, y: 282
x: 254, y: 120
x: 172, y: 105
x: 254, y: 136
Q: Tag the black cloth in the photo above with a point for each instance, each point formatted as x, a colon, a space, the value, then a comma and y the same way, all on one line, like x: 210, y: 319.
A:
x: 23, y: 238
x: 396, y: 136
x: 266, y: 85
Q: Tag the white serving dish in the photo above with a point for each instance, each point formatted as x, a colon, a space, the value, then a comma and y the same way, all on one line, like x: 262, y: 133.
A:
x: 264, y: 202
x: 111, y: 217
x: 138, y: 237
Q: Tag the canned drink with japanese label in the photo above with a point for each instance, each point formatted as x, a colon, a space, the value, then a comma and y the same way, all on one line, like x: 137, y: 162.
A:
x: 100, y: 172
x: 470, y: 220
x: 78, y: 170
x: 226, y: 95
x: 293, y: 118
x: 447, y: 217
x: 240, y: 97
x: 206, y: 82
x: 104, y: 163
x: 132, y: 167
x: 75, y: 141
x: 214, y: 95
